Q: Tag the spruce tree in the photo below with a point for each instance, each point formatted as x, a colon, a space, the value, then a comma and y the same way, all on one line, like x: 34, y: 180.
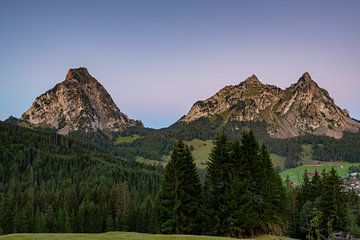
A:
x: 216, y: 186
x: 316, y: 186
x: 252, y: 168
x: 241, y: 212
x: 180, y: 193
x: 273, y: 195
x: 332, y: 204
x: 241, y: 216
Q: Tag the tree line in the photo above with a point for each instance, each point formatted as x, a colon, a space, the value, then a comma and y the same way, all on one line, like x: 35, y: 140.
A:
x: 320, y: 207
x: 52, y: 183
x: 242, y: 195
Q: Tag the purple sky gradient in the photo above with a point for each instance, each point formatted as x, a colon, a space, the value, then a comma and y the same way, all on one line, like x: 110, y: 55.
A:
x: 156, y: 58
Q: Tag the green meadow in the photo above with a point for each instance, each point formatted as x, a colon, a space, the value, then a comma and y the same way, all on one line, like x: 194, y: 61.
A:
x: 126, y: 139
x: 296, y: 174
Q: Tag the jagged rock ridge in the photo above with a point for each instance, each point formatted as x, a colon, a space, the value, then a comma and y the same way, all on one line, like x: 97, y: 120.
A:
x: 79, y: 103
x: 300, y: 109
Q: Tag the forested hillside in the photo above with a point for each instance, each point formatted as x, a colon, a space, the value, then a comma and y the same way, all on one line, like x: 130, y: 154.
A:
x: 153, y: 144
x: 52, y: 183
x: 244, y: 196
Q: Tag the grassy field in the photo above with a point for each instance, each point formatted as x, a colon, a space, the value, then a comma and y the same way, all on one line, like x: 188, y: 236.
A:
x: 126, y: 139
x: 116, y: 236
x: 296, y: 174
x: 201, y: 151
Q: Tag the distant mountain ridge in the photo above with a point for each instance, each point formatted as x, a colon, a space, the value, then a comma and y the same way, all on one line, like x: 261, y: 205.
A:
x: 302, y: 108
x: 79, y: 103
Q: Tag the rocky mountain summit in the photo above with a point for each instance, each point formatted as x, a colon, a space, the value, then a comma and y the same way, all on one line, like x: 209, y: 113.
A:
x: 302, y: 108
x: 79, y: 103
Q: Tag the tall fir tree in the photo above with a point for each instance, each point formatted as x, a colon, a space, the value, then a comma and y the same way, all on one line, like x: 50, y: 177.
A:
x: 252, y: 168
x: 241, y: 212
x: 180, y: 193
x: 216, y: 186
x: 332, y: 204
x: 274, y: 202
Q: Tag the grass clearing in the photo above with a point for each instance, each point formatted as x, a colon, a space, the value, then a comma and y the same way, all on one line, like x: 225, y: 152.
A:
x: 126, y: 139
x: 201, y: 151
x: 117, y: 236
x: 296, y: 174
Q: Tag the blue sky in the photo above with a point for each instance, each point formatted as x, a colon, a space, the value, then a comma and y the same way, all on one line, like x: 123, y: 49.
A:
x: 156, y: 58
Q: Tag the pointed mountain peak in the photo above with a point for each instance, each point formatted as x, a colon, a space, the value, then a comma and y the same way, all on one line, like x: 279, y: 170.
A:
x: 252, y: 80
x: 306, y: 77
x: 80, y: 103
x: 78, y: 73
x: 306, y: 82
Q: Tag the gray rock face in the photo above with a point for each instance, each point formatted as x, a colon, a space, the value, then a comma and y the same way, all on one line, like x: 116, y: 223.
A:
x: 79, y: 103
x: 300, y: 109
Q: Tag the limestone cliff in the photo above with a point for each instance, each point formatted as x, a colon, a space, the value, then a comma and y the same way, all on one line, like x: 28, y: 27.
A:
x: 300, y: 109
x: 79, y: 103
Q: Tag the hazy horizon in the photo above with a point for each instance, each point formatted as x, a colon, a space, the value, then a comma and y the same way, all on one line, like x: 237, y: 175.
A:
x: 157, y: 58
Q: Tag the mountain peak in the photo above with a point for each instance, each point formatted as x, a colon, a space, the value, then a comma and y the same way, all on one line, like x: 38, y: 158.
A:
x: 80, y: 103
x: 303, y: 108
x: 252, y: 80
x: 306, y: 78
x: 78, y: 73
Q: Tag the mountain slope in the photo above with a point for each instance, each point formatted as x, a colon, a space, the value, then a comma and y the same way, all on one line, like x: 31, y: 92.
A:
x: 303, y: 108
x: 79, y: 103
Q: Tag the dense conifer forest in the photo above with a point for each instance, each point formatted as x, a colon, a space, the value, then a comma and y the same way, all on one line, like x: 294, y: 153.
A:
x: 244, y: 196
x: 52, y: 183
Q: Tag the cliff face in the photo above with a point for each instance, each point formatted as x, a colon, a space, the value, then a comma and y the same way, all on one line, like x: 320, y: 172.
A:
x: 302, y: 108
x: 79, y: 103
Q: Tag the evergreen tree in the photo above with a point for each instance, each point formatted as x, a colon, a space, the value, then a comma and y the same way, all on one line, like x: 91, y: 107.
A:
x: 332, y: 204
x: 253, y: 169
x: 180, y: 193
x: 109, y: 224
x: 273, y: 208
x: 315, y: 186
x: 241, y: 213
x: 50, y: 219
x: 241, y: 216
x: 40, y: 222
x: 216, y: 185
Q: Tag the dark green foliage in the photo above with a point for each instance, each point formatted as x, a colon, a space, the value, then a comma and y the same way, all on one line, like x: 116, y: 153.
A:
x: 216, y: 184
x: 180, y: 193
x: 319, y: 208
x: 52, y: 183
x: 244, y: 194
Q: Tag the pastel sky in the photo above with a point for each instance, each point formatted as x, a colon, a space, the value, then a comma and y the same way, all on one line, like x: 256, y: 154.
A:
x: 157, y: 57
